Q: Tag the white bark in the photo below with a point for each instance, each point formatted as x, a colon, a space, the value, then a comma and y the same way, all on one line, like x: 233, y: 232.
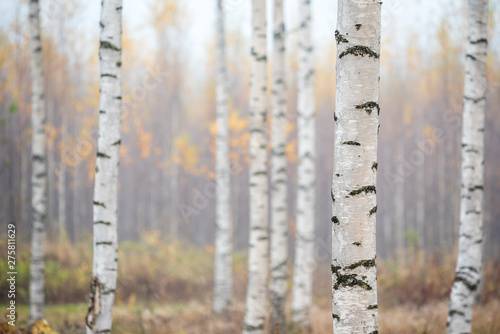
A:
x: 306, y: 173
x: 279, y: 221
x: 223, y: 228
x: 258, y: 245
x: 103, y: 284
x: 354, y: 199
x: 39, y: 170
x: 62, y: 204
x: 470, y: 243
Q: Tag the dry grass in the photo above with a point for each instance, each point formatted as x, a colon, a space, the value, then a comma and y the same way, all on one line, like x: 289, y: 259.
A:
x: 197, y: 318
x: 167, y: 288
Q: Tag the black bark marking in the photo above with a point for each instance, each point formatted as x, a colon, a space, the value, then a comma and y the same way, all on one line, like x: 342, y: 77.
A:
x: 99, y: 204
x: 360, y: 50
x: 107, y: 243
x: 365, y: 263
x: 350, y: 280
x: 479, y: 99
x: 335, y: 220
x: 372, y: 211
x: 108, y: 45
x: 365, y: 189
x: 375, y: 166
x: 102, y: 155
x: 479, y: 41
x: 373, y: 307
x: 118, y: 142
x: 102, y: 222
x: 358, y: 26
x: 459, y: 278
x: 369, y: 107
x: 357, y: 243
x: 350, y: 142
x: 339, y: 38
x: 108, y: 75
x: 335, y: 317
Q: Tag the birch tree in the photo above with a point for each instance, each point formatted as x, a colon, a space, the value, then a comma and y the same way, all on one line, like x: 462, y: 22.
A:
x: 258, y: 245
x: 354, y: 274
x: 306, y: 173
x: 223, y: 228
x: 103, y: 283
x: 470, y: 244
x: 39, y: 169
x: 279, y: 222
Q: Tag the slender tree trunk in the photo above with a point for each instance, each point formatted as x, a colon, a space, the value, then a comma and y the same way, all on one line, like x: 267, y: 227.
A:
x: 62, y: 203
x: 399, y: 211
x: 279, y: 221
x: 174, y: 176
x: 103, y: 283
x: 355, y: 166
x: 223, y: 221
x: 470, y: 245
x: 24, y: 187
x: 306, y: 173
x: 258, y: 248
x: 50, y: 176
x: 39, y: 170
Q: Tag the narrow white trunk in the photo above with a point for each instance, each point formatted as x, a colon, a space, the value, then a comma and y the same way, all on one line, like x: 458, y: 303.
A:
x: 399, y: 211
x: 39, y: 170
x: 306, y: 173
x: 279, y: 222
x: 470, y: 243
x: 62, y: 203
x: 223, y: 223
x: 103, y: 283
x: 258, y: 246
x: 355, y: 166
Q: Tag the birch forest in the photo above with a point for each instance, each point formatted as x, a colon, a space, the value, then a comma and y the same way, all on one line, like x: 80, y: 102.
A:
x: 249, y: 166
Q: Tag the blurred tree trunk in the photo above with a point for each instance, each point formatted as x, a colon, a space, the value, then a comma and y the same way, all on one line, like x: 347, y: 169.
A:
x: 62, y: 203
x: 258, y: 246
x: 399, y: 209
x: 354, y: 272
x: 279, y: 221
x: 306, y: 173
x: 470, y: 245
x: 223, y: 221
x: 39, y: 169
x: 103, y: 283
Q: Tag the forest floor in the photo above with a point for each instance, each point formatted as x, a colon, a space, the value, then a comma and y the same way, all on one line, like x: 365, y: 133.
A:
x: 166, y: 287
x: 196, y: 318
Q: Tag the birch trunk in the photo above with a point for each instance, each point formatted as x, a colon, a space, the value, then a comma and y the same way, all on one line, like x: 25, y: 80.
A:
x: 103, y: 284
x: 223, y: 228
x: 306, y: 173
x: 258, y: 245
x: 354, y: 198
x: 62, y: 203
x: 39, y: 170
x: 470, y: 243
x: 279, y: 222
